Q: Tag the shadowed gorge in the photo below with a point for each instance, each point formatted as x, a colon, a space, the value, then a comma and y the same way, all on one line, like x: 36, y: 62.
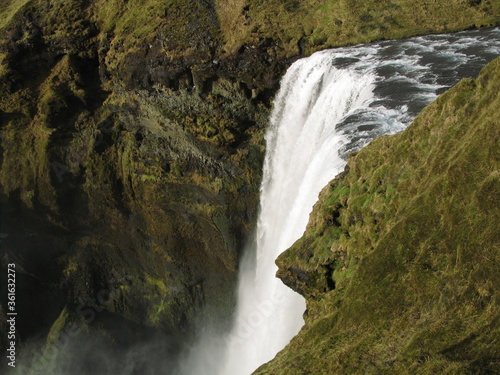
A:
x: 131, y: 152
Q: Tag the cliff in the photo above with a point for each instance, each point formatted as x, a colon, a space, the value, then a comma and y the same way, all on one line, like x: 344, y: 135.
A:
x: 131, y: 147
x: 399, y: 261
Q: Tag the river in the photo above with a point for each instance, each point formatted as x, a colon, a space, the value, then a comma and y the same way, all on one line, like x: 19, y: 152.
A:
x: 329, y: 105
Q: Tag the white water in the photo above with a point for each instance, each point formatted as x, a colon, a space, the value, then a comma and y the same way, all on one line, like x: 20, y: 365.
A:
x: 302, y: 158
x: 329, y: 104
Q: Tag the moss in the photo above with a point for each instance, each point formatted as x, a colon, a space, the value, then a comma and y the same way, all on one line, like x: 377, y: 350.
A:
x: 71, y: 267
x: 411, y: 247
x: 156, y: 292
x: 57, y: 327
x: 156, y: 283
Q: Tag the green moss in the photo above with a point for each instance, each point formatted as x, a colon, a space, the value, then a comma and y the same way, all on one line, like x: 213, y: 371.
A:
x: 157, y: 293
x: 57, y: 327
x: 157, y: 284
x: 155, y: 314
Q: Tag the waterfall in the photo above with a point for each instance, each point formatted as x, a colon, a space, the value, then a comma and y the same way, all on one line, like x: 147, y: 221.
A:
x: 329, y: 104
x: 302, y: 158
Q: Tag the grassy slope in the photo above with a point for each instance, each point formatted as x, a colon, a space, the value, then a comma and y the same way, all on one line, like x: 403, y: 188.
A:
x: 8, y: 9
x: 409, y: 235
x: 291, y: 27
x: 320, y: 24
x: 313, y: 24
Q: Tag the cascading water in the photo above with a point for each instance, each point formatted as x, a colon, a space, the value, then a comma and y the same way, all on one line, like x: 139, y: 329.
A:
x: 302, y: 157
x: 329, y: 104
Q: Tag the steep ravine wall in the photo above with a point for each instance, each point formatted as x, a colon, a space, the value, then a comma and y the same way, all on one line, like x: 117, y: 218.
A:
x: 131, y: 146
x: 399, y: 262
x: 121, y: 173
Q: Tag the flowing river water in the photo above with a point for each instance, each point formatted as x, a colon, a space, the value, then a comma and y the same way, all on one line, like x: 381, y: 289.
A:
x: 329, y: 104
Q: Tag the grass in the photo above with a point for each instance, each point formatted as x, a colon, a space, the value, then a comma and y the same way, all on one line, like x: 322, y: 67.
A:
x: 231, y: 16
x: 8, y: 10
x: 135, y: 21
x: 416, y: 289
x: 294, y: 26
x: 322, y: 24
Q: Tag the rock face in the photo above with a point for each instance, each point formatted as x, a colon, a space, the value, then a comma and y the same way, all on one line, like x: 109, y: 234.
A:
x: 399, y: 262
x: 127, y: 165
x: 131, y: 148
